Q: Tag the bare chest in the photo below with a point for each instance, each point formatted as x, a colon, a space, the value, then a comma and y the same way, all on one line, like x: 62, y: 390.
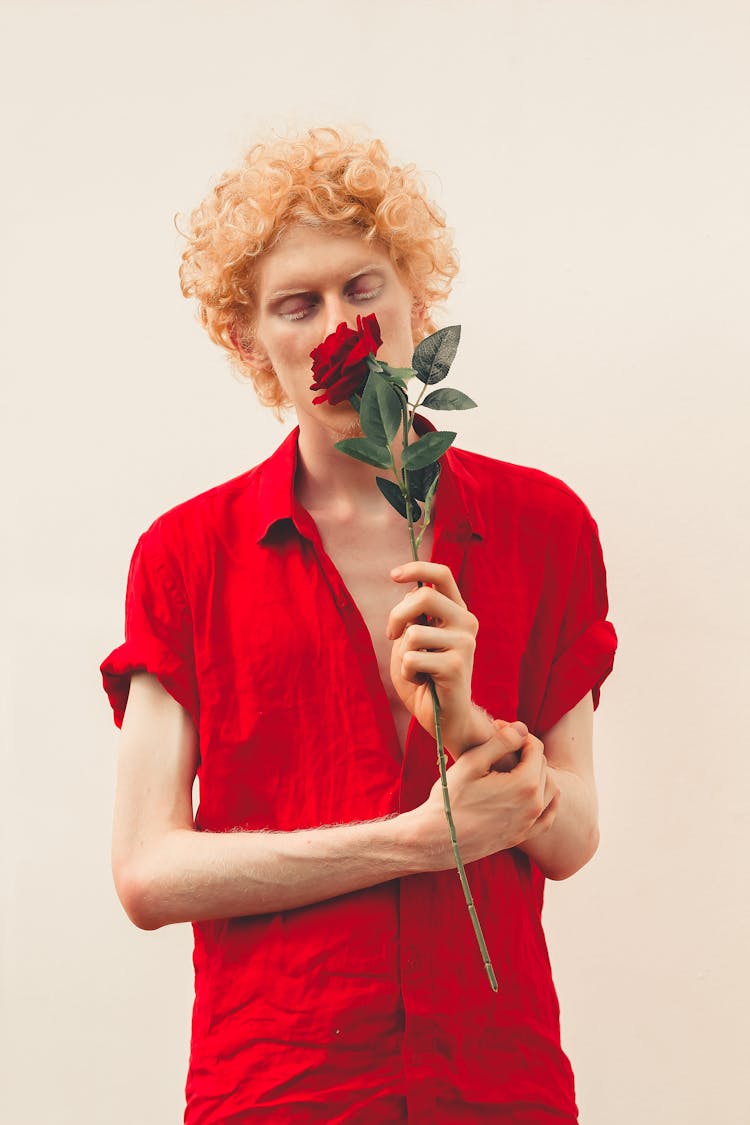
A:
x: 364, y: 557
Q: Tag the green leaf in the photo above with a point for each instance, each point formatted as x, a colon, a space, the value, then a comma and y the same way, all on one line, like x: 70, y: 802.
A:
x: 380, y: 413
x: 363, y: 449
x: 428, y: 448
x: 396, y: 498
x: 428, y: 507
x: 434, y: 355
x: 419, y: 480
x: 398, y: 374
x: 391, y: 407
x: 356, y: 402
x: 447, y: 398
x: 428, y: 500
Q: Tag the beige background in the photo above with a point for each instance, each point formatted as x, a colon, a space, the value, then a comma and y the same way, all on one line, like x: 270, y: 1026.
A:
x: 594, y: 161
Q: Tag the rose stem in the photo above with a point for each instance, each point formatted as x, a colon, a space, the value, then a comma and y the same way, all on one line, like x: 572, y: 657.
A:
x: 441, y: 760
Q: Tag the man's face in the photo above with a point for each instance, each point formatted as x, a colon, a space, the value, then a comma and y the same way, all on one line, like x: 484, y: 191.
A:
x: 306, y: 286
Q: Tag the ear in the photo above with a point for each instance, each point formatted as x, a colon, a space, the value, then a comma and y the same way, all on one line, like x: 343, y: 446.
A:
x: 418, y: 314
x: 250, y: 350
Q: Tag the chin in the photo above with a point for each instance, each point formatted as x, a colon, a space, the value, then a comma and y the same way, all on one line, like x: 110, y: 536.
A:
x: 341, y: 420
x: 347, y: 427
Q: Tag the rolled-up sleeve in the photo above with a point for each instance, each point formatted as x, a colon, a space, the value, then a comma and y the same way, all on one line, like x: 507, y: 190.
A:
x: 587, y: 641
x: 158, y: 631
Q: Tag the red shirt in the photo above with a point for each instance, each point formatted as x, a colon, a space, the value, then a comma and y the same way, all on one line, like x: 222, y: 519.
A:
x: 372, y: 1007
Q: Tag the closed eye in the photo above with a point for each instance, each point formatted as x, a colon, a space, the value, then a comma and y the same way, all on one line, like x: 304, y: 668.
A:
x: 366, y: 294
x: 304, y: 305
x: 298, y: 313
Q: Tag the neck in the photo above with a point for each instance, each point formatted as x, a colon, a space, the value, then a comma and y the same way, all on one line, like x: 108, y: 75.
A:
x: 329, y: 480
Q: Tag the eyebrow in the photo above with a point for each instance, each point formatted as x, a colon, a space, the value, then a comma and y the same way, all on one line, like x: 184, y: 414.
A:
x: 302, y: 287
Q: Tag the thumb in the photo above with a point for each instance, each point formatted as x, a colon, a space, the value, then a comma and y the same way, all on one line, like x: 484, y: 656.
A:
x: 508, y: 738
x: 503, y: 724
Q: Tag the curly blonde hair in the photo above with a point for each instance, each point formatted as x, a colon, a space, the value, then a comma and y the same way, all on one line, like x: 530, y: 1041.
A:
x: 324, y: 178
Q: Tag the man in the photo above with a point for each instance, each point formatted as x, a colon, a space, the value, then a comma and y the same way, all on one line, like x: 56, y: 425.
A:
x: 274, y: 645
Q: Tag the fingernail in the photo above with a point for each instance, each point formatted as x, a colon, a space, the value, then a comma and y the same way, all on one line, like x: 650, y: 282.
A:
x: 397, y: 572
x: 522, y: 729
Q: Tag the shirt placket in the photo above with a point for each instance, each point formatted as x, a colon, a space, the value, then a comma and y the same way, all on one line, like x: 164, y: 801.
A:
x: 356, y: 630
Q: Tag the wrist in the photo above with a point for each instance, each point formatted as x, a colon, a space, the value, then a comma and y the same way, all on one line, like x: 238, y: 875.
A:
x: 477, y: 728
x: 424, y: 839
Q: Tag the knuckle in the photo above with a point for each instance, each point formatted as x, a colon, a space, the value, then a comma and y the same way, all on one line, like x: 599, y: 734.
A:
x: 536, y: 807
x: 511, y: 737
x: 417, y: 600
x: 530, y: 792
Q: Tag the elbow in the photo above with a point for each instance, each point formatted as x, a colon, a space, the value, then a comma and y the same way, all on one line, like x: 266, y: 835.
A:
x: 592, y: 845
x: 139, y: 895
x: 570, y: 865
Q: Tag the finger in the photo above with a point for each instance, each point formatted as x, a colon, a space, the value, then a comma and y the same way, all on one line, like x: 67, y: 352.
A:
x: 437, y: 607
x: 500, y: 724
x: 431, y: 639
x: 437, y: 574
x: 446, y: 668
x: 545, y: 821
x: 513, y: 736
x: 508, y: 763
x: 551, y: 788
x: 532, y: 761
x: 426, y: 603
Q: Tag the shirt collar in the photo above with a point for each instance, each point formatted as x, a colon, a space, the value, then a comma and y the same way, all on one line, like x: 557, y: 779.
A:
x: 457, y: 503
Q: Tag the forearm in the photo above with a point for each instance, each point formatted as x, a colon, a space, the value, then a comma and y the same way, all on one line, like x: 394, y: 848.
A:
x: 190, y: 876
x: 573, y: 834
x: 477, y: 727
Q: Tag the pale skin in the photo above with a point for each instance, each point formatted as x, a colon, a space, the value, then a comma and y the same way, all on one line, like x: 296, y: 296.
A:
x: 508, y: 788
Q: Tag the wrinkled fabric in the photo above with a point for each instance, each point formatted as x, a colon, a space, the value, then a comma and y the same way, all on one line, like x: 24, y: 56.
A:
x: 372, y: 1007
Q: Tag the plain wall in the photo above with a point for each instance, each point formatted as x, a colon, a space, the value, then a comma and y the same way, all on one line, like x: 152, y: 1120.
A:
x: 593, y: 160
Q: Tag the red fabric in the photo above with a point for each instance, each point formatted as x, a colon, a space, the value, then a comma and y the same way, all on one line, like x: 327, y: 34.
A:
x: 372, y: 1007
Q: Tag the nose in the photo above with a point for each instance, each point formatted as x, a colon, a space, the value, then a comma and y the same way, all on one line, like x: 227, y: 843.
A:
x: 336, y: 312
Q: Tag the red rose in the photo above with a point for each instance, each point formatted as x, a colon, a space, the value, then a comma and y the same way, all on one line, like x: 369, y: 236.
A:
x: 340, y: 362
